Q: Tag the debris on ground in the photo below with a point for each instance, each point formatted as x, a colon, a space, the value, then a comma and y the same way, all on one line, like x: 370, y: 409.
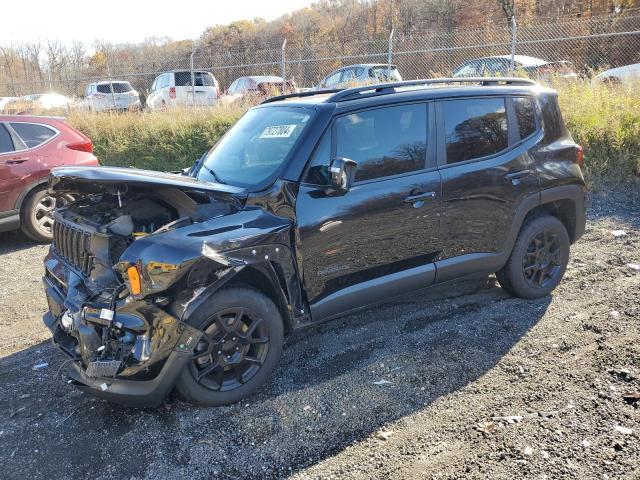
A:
x: 623, y: 430
x: 486, y: 427
x: 382, y: 382
x: 618, y: 233
x: 384, y: 435
x: 40, y: 366
x: 528, y: 451
x: 634, y: 266
x: 632, y: 397
x: 509, y: 419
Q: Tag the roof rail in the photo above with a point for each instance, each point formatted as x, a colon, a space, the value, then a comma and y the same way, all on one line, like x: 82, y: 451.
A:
x: 385, y: 88
x: 308, y: 93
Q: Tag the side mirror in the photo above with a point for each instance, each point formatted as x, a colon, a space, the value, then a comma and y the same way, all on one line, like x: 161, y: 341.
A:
x: 342, y: 172
x: 147, y: 91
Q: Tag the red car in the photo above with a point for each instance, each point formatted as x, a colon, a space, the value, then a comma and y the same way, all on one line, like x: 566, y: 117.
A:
x: 30, y: 147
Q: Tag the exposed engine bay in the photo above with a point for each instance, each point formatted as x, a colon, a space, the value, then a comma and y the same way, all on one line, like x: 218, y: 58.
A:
x: 90, y: 236
x: 132, y: 261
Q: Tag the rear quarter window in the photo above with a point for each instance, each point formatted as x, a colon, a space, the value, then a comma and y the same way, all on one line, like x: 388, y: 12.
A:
x: 552, y: 122
x: 32, y: 134
x: 525, y: 115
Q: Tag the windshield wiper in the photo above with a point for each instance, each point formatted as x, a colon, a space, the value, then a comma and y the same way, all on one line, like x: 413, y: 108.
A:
x: 213, y: 174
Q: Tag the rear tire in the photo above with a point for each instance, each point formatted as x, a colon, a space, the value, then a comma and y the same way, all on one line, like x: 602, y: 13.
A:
x: 241, y: 348
x: 538, y: 260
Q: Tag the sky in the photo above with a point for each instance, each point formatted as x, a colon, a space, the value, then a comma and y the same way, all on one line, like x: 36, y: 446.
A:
x: 128, y: 21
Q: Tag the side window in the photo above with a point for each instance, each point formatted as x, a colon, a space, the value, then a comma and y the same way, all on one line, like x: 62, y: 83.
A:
x: 348, y: 75
x: 385, y: 141
x: 164, y: 81
x: 474, y: 128
x: 6, y: 144
x: 525, y: 114
x: 232, y: 88
x: 318, y: 170
x: 31, y: 134
x: 154, y: 86
x: 332, y: 80
x: 471, y: 69
x: 496, y: 67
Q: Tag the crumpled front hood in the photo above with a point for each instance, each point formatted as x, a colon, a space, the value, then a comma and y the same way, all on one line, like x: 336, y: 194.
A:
x: 109, y: 179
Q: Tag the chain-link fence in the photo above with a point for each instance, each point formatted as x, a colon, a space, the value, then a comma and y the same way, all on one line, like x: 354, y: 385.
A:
x: 592, y: 43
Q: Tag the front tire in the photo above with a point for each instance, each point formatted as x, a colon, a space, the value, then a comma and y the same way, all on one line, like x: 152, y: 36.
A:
x: 538, y: 260
x: 239, y: 351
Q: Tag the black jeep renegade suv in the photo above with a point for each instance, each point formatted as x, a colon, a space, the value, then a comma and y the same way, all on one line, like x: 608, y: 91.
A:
x: 312, y: 205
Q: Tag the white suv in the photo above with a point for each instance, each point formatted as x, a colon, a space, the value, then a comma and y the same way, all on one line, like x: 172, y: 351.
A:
x: 99, y: 97
x: 174, y: 89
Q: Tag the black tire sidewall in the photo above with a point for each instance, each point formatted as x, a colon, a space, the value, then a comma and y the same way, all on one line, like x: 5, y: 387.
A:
x: 27, y: 218
x: 230, y: 297
x: 516, y: 280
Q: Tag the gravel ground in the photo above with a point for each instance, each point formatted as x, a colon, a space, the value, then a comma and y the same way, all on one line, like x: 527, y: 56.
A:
x: 475, y: 384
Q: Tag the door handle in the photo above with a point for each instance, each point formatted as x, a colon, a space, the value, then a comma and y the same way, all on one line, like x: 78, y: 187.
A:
x: 420, y: 197
x: 515, y: 177
x: 16, y: 160
x: 518, y: 174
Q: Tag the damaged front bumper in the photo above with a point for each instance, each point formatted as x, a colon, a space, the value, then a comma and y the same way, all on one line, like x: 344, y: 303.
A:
x: 133, y: 358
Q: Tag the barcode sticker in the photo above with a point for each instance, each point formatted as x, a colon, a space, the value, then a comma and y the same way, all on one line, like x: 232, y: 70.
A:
x: 106, y: 314
x: 278, y: 131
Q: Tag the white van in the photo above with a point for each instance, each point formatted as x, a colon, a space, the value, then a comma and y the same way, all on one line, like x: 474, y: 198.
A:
x: 173, y: 89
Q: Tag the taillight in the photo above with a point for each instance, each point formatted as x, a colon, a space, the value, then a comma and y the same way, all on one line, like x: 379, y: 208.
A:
x: 580, y: 156
x: 84, y: 146
x: 172, y: 92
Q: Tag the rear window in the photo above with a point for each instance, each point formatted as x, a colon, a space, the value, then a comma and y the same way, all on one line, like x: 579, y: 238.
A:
x: 32, y: 134
x: 118, y: 87
x: 384, y: 74
x: 474, y: 128
x: 202, y: 79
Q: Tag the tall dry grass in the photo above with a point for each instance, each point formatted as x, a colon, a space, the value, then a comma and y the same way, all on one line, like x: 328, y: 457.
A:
x: 164, y: 140
x: 605, y: 120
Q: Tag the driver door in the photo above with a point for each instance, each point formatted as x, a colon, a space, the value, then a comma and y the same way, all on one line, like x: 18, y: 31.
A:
x: 380, y: 237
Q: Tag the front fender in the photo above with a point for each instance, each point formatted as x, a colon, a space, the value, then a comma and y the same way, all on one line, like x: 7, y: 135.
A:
x: 219, y: 243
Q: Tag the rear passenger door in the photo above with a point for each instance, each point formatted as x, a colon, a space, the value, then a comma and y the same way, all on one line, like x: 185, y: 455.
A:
x: 383, y: 227
x: 486, y: 172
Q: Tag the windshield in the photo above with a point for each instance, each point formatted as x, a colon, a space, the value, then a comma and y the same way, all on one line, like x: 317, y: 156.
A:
x: 254, y: 148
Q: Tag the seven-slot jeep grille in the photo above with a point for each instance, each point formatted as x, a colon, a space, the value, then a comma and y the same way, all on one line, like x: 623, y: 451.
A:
x: 73, y: 245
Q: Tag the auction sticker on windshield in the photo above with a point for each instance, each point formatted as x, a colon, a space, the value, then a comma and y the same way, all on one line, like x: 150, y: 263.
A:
x: 278, y: 131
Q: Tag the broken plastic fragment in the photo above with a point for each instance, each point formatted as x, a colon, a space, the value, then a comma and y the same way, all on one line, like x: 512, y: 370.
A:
x: 382, y: 382
x: 103, y: 387
x: 618, y: 233
x: 40, y: 365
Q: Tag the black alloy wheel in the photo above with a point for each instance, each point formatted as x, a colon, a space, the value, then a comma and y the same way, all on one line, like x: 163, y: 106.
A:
x: 231, y: 351
x: 241, y: 345
x: 542, y: 262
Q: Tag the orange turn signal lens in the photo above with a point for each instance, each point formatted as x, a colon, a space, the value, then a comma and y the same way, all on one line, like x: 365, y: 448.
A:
x: 134, y: 280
